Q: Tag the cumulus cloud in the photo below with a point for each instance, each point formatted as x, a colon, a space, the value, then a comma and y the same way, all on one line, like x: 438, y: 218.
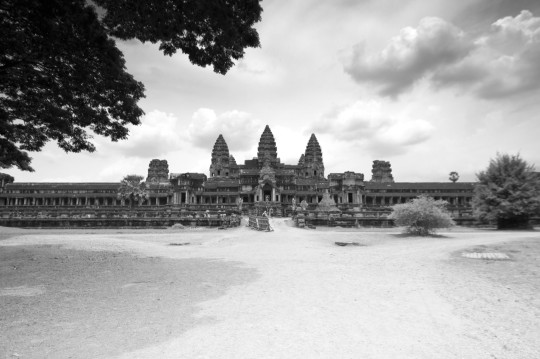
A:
x: 156, y: 135
x: 413, y: 54
x: 366, y: 123
x: 237, y: 128
x: 512, y: 55
x: 502, y: 61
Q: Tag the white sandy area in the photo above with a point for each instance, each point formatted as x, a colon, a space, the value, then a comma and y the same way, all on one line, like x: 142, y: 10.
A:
x: 394, y: 297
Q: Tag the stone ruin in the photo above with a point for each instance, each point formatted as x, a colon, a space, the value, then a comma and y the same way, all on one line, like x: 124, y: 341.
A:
x: 381, y: 172
x: 327, y: 204
x: 158, y: 171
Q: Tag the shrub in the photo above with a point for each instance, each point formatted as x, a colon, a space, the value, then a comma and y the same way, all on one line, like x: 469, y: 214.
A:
x: 422, y: 215
x: 508, y: 192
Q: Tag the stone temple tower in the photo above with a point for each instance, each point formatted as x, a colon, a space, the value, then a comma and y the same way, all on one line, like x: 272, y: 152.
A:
x: 158, y: 171
x: 381, y: 172
x: 313, y: 161
x: 221, y: 159
x: 267, y: 147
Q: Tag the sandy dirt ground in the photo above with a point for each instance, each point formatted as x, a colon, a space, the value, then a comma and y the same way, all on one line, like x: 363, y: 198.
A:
x: 291, y: 293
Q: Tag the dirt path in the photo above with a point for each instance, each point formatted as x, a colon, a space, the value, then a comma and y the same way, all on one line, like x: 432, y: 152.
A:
x: 391, y: 297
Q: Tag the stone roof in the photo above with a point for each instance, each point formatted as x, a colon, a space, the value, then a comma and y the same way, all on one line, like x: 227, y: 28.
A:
x: 301, y: 160
x: 267, y: 146
x: 421, y: 185
x: 313, y: 150
x: 63, y: 185
x: 193, y: 175
x: 212, y: 183
x: 220, y: 150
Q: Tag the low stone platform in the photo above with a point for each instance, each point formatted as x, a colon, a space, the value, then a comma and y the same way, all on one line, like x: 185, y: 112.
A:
x: 480, y: 255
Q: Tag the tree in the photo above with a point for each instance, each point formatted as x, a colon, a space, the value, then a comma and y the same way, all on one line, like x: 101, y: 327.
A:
x: 454, y: 176
x: 209, y: 32
x: 62, y: 77
x: 133, y: 189
x: 422, y: 215
x: 508, y: 192
x: 5, y: 179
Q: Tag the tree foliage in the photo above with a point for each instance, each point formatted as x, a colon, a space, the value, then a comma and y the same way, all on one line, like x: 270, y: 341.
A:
x: 133, y: 189
x: 62, y: 77
x: 422, y: 215
x: 508, y: 192
x: 209, y: 32
x: 5, y: 179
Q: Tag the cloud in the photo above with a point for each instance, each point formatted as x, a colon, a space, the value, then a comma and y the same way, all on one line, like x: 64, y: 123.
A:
x: 512, y: 55
x: 365, y: 123
x: 157, y: 135
x: 500, y: 62
x: 413, y: 54
x: 237, y: 128
x: 480, y: 14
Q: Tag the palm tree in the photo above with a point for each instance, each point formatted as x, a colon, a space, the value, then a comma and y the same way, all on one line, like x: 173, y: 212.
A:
x: 454, y: 176
x: 133, y: 189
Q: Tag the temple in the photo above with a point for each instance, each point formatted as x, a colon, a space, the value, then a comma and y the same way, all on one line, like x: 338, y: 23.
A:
x: 234, y: 186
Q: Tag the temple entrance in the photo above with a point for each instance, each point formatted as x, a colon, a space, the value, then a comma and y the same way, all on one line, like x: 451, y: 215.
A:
x: 267, y: 192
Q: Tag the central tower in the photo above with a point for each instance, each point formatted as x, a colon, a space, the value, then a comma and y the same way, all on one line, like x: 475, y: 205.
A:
x: 267, y: 147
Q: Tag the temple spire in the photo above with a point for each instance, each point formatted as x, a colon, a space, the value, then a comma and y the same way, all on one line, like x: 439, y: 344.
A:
x: 313, y: 150
x: 313, y: 160
x: 220, y: 158
x: 267, y: 146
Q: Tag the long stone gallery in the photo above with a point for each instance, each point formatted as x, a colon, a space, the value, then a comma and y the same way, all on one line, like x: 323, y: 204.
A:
x: 230, y: 189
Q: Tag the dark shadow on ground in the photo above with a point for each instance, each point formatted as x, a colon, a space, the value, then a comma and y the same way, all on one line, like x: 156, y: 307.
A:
x: 61, y: 303
x: 415, y: 236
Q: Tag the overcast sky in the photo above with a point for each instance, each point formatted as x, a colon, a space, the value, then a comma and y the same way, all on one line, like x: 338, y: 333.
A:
x: 432, y: 86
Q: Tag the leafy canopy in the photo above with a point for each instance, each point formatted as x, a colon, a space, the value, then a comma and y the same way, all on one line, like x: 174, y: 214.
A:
x: 209, y: 32
x: 422, y: 215
x: 133, y: 189
x: 5, y: 178
x: 453, y: 176
x: 62, y: 76
x: 508, y: 191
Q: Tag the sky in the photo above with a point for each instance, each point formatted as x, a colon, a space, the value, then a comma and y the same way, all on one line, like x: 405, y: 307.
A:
x: 432, y: 86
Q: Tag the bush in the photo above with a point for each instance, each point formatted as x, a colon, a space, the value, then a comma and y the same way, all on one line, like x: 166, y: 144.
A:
x: 422, y: 215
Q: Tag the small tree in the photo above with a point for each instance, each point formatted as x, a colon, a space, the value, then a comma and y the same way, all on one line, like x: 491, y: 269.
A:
x: 5, y: 179
x: 422, y: 215
x: 508, y: 192
x: 453, y: 176
x: 133, y: 189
